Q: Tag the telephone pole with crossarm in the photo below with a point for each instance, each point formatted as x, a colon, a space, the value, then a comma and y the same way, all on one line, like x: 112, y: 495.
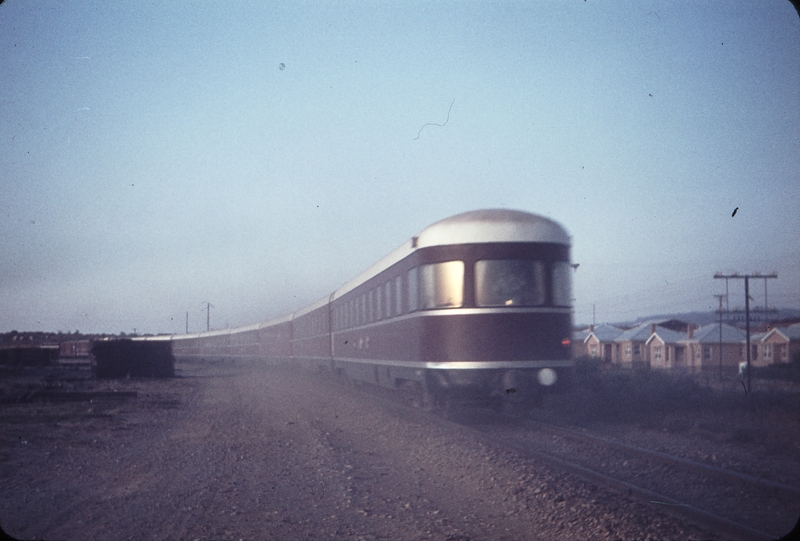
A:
x: 746, y: 278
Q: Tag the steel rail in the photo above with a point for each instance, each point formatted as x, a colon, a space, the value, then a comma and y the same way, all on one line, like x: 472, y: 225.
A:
x: 665, y: 457
x: 672, y: 506
x: 649, y: 497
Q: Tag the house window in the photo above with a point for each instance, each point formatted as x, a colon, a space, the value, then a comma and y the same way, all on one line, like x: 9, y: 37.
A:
x: 767, y: 351
x: 706, y: 353
x: 627, y: 349
x: 593, y: 350
x: 657, y: 352
x: 636, y: 349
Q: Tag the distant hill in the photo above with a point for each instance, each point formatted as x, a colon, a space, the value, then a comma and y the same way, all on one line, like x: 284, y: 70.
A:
x: 781, y: 316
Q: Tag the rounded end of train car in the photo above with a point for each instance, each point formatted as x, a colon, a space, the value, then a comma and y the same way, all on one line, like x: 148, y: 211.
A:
x: 493, y: 225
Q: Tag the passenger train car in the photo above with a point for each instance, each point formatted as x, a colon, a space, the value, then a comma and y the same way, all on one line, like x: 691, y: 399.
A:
x: 477, y: 306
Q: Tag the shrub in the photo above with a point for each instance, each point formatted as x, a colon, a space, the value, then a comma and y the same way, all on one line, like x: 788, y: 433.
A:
x: 617, y: 394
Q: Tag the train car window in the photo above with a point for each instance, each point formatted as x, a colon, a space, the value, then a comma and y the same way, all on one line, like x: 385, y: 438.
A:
x: 388, y: 296
x: 351, y: 316
x: 398, y: 295
x: 509, y: 282
x: 363, y: 318
x: 441, y: 285
x: 413, y: 289
x: 562, y: 283
x: 371, y: 305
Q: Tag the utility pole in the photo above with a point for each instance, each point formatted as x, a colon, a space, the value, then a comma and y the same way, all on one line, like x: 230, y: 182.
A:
x: 727, y: 303
x: 208, y: 316
x: 746, y: 278
x: 719, y: 298
x: 187, y: 321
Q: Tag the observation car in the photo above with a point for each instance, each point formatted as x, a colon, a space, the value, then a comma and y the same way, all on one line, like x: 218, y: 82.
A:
x: 477, y: 306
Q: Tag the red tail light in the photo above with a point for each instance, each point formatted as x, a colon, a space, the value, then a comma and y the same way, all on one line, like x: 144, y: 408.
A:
x: 565, y: 342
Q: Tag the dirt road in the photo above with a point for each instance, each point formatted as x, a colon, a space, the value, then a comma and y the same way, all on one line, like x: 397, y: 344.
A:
x: 237, y: 452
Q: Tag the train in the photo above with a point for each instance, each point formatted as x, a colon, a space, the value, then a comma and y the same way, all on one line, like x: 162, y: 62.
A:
x: 476, y: 307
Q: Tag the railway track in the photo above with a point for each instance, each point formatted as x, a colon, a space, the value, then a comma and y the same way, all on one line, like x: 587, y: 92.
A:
x: 737, y: 505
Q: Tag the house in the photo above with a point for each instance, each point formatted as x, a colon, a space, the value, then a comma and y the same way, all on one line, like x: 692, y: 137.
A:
x: 631, y: 346
x: 705, y: 352
x: 579, y: 348
x: 778, y: 345
x: 595, y: 341
x: 675, y: 344
x: 599, y: 341
x: 667, y: 348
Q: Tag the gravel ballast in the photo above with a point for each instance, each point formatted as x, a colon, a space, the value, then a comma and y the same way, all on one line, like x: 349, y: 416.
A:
x: 246, y: 452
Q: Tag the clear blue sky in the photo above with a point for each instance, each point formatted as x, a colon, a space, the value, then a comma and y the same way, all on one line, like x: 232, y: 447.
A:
x: 155, y: 156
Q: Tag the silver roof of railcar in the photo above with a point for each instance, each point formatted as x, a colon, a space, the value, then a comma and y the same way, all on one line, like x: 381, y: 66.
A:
x: 232, y: 330
x: 476, y: 226
x: 493, y: 225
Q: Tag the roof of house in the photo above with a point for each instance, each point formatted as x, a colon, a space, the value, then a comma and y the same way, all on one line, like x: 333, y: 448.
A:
x: 668, y: 336
x: 606, y: 333
x: 710, y: 333
x: 639, y: 333
x: 580, y: 336
x: 792, y: 332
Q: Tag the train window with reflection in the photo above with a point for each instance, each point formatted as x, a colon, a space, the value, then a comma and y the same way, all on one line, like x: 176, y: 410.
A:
x: 350, y: 311
x: 441, y: 285
x: 398, y: 295
x: 413, y: 289
x: 562, y: 283
x: 371, y: 305
x: 388, y: 307
x: 509, y: 282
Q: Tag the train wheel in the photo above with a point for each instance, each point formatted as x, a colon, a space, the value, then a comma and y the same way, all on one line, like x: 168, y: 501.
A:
x: 421, y: 395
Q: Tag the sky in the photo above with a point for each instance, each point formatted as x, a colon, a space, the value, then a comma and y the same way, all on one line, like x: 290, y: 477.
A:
x: 155, y: 157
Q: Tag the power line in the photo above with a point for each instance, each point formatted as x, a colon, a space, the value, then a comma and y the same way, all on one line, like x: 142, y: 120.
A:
x: 719, y: 298
x: 746, y: 278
